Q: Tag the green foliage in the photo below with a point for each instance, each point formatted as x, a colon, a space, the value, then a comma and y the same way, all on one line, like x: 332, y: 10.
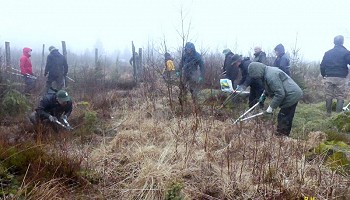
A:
x: 311, y: 117
x: 40, y: 165
x: 9, y: 184
x: 174, y: 191
x: 90, y: 120
x: 14, y: 103
x: 336, y: 154
x: 342, y: 122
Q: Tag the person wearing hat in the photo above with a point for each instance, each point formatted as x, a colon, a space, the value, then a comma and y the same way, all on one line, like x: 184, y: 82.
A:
x: 56, y: 68
x: 52, y: 107
x: 228, y: 71
x: 256, y: 85
x: 282, y: 60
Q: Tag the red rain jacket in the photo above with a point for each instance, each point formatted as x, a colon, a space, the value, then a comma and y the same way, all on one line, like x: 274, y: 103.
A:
x: 25, y: 63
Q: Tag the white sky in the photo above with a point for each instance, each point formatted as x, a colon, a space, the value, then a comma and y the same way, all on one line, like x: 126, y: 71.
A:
x: 215, y: 24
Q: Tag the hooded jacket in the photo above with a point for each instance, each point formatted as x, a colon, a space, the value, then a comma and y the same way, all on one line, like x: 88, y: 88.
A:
x: 282, y: 60
x: 25, y: 63
x: 56, y: 64
x: 283, y: 90
x: 335, y: 61
x: 230, y: 71
x: 191, y: 60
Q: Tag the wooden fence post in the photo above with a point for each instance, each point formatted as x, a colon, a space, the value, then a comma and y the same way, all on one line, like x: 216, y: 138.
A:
x: 7, y: 54
x: 133, y: 62
x: 64, y: 49
x: 42, y: 60
x: 140, y: 66
x: 96, y: 58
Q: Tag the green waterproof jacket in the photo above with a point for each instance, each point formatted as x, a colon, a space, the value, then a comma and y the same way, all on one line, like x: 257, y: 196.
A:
x: 283, y: 90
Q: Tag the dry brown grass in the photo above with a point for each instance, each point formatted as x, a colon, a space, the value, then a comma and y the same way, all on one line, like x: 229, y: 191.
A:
x: 210, y: 158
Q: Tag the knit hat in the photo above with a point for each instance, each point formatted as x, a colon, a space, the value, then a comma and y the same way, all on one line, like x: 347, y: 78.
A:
x: 236, y: 58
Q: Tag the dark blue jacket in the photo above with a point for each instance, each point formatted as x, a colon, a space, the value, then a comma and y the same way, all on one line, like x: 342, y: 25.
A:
x: 244, y: 70
x: 282, y: 60
x: 56, y: 65
x: 335, y: 61
x: 231, y: 72
x: 191, y: 60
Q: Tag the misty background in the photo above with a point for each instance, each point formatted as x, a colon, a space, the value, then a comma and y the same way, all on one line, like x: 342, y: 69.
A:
x: 111, y: 25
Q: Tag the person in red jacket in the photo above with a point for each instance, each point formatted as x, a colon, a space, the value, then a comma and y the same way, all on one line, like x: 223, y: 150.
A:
x: 26, y: 70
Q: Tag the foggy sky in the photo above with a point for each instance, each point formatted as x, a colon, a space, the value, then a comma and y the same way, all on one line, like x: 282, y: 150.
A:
x: 214, y: 24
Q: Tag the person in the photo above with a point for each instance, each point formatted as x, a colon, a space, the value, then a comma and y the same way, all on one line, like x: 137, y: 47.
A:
x: 282, y: 60
x: 56, y: 68
x: 137, y: 65
x: 334, y: 70
x: 284, y: 91
x: 169, y: 69
x: 188, y: 70
x: 228, y: 71
x: 54, y: 106
x: 256, y: 86
x: 259, y: 55
x: 27, y: 70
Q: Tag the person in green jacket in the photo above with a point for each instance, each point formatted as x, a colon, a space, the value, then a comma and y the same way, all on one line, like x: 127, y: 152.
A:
x: 284, y: 91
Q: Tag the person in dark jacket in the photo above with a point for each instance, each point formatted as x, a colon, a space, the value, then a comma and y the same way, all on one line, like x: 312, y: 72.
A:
x: 56, y: 68
x: 228, y: 71
x: 190, y: 63
x: 334, y: 70
x: 282, y: 60
x: 52, y: 107
x: 284, y: 91
x: 256, y: 86
x: 27, y: 70
x: 259, y: 56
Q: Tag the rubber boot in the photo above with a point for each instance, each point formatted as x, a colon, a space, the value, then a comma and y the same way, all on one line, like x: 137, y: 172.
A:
x: 340, y: 104
x: 329, y: 106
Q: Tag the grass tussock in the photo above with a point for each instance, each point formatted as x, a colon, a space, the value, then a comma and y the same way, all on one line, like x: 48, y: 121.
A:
x: 154, y: 157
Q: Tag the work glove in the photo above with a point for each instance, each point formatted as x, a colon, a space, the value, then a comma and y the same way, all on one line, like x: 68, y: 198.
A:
x: 262, y: 98
x: 200, y: 79
x: 268, y: 113
x: 178, y: 74
x: 52, y: 118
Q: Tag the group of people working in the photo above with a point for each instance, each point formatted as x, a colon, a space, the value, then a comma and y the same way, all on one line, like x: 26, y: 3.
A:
x: 270, y: 81
x: 56, y: 105
x: 264, y: 81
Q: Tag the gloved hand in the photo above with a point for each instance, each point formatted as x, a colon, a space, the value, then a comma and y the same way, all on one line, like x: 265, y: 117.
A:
x: 178, y: 74
x: 262, y: 98
x: 52, y: 118
x: 200, y: 79
x: 267, y: 115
